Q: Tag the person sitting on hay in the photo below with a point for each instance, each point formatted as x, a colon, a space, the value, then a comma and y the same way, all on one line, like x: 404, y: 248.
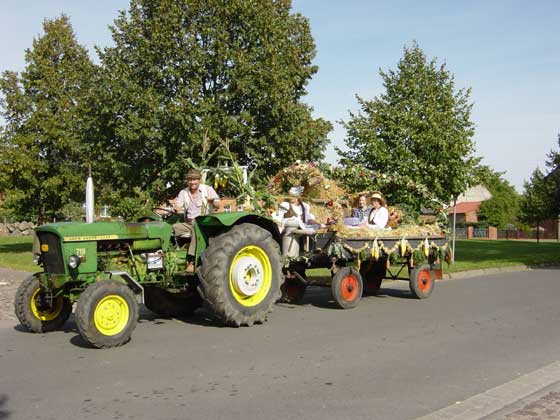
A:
x: 295, y: 210
x: 379, y: 215
x: 363, y: 210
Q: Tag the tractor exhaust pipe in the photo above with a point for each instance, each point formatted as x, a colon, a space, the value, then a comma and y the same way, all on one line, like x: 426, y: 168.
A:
x: 90, y: 212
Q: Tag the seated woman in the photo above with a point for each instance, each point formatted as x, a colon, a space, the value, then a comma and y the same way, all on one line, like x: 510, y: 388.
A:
x: 379, y: 215
x: 296, y: 211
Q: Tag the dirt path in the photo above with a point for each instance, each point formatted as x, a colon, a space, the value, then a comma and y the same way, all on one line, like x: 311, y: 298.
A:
x: 9, y: 282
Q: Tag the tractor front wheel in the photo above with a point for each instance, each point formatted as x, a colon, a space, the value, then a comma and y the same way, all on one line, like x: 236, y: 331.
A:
x: 107, y: 313
x: 36, y: 311
x: 241, y: 275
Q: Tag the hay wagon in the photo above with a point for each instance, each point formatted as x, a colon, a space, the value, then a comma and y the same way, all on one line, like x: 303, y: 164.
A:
x: 358, y: 265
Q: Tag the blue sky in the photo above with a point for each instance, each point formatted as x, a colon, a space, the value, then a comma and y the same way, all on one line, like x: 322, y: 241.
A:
x: 508, y: 52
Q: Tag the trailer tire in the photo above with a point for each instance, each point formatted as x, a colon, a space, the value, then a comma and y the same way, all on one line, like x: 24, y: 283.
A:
x: 347, y: 287
x: 107, y: 313
x: 422, y: 281
x: 373, y: 273
x: 293, y: 291
x: 169, y: 304
x: 241, y: 275
x: 34, y: 313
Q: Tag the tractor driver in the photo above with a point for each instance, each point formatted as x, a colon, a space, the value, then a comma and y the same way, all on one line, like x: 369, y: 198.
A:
x: 193, y: 201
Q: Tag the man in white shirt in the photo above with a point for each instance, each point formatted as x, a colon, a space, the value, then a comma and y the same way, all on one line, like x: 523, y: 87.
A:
x: 193, y: 201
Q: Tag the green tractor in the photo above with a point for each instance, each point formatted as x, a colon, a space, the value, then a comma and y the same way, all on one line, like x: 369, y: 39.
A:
x: 108, y: 268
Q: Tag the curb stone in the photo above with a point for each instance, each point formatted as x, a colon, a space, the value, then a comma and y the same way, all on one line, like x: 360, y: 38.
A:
x: 503, y: 398
x: 496, y: 270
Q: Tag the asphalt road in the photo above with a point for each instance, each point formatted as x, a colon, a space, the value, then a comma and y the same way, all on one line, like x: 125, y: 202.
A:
x: 393, y: 357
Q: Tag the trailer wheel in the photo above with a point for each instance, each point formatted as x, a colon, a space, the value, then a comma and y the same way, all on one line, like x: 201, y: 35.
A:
x: 347, y: 287
x: 106, y: 314
x: 373, y: 273
x: 241, y: 275
x: 292, y: 291
x: 169, y: 304
x: 422, y: 281
x: 34, y: 310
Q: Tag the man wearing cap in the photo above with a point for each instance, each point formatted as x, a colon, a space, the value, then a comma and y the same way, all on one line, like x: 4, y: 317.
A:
x: 379, y: 215
x: 193, y: 201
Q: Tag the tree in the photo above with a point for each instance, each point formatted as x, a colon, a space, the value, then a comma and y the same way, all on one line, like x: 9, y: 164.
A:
x: 189, y: 74
x: 553, y: 177
x: 502, y: 209
x: 535, y: 205
x: 41, y: 143
x: 420, y: 127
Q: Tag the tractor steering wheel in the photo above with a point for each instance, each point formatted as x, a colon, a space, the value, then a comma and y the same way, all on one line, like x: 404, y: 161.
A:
x: 166, y: 212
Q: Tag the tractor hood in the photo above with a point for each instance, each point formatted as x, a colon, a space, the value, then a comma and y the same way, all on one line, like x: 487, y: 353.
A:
x: 103, y: 231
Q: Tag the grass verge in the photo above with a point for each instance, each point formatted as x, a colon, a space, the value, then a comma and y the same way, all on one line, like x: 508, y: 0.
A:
x: 15, y: 253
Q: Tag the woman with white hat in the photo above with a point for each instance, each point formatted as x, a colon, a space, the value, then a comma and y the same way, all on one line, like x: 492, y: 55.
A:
x: 379, y: 215
x: 295, y: 210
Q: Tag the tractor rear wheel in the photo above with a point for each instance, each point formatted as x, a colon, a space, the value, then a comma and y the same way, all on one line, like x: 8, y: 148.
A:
x: 347, y: 287
x: 36, y: 312
x: 169, y: 304
x: 422, y: 281
x: 241, y: 275
x: 107, y: 313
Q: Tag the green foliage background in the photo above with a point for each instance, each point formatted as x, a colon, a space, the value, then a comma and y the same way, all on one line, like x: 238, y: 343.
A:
x: 420, y: 127
x: 180, y: 73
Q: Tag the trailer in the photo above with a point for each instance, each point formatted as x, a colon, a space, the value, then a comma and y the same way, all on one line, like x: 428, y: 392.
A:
x: 358, y: 265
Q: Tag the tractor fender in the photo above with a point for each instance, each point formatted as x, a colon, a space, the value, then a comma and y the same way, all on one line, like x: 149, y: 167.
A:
x: 215, y: 224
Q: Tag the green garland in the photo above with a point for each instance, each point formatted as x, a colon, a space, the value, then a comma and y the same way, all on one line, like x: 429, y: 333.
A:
x: 401, y: 249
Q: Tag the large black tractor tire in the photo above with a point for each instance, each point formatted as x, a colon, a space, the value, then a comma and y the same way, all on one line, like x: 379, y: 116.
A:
x: 169, y: 304
x: 107, y: 313
x: 241, y: 275
x: 422, y: 281
x: 35, y: 312
x: 372, y: 273
x: 347, y: 287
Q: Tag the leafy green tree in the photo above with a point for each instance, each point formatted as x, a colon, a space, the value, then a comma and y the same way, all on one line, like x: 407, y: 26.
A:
x: 502, y: 209
x: 420, y: 127
x: 41, y: 142
x: 535, y: 205
x: 553, y: 177
x: 189, y: 73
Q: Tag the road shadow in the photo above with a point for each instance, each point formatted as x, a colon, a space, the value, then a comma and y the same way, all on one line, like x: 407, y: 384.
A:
x: 321, y: 297
x: 4, y: 414
x: 391, y: 293
x: 202, y: 316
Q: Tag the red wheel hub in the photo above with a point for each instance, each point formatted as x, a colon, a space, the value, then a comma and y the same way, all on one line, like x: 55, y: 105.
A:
x: 349, y: 288
x: 424, y: 280
x: 293, y: 291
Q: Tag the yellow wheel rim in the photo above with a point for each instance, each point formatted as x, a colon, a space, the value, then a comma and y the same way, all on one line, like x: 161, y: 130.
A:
x: 250, y: 276
x: 111, y: 315
x: 46, y: 314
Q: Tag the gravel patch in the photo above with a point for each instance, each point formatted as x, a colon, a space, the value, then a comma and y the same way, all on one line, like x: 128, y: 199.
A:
x: 9, y: 282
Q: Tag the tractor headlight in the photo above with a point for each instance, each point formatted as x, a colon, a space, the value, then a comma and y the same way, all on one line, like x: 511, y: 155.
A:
x: 37, y: 259
x: 73, y: 261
